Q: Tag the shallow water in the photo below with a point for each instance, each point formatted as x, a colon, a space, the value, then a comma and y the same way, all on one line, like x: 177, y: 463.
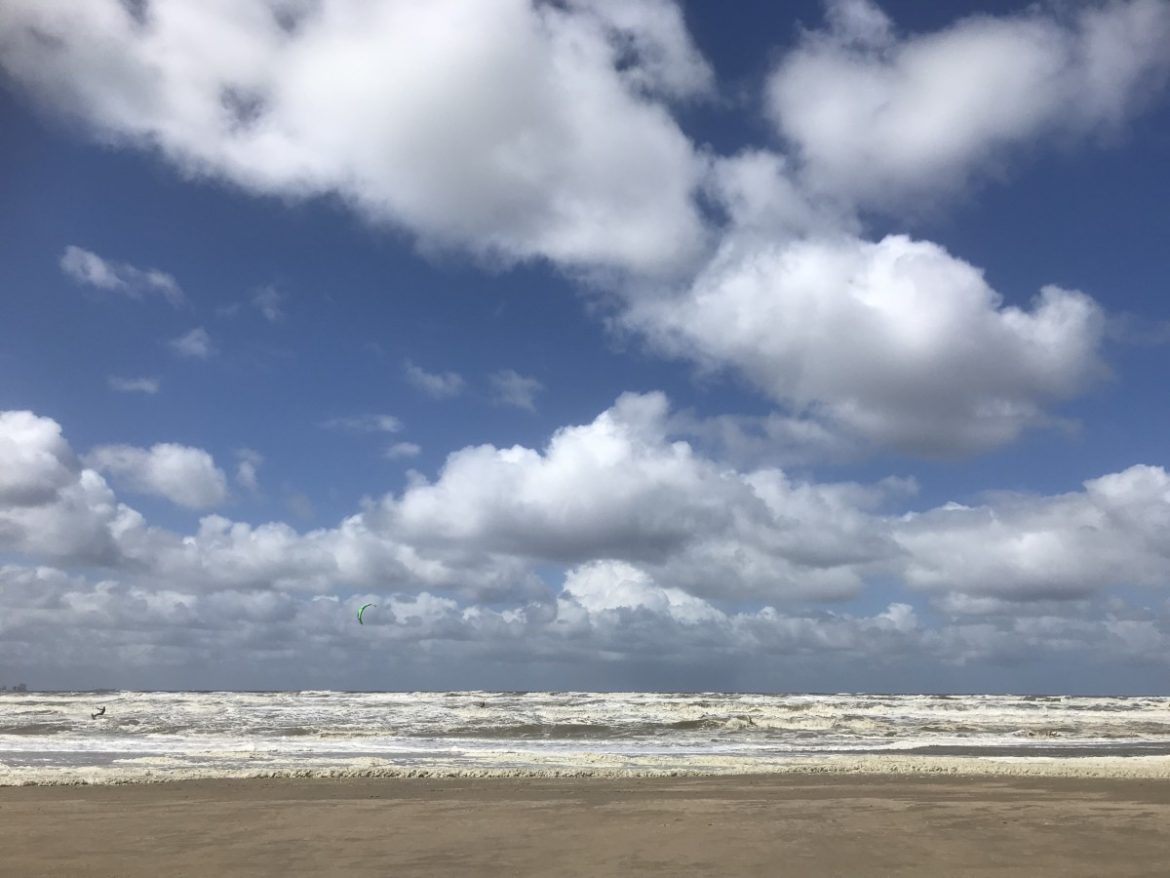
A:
x: 51, y: 737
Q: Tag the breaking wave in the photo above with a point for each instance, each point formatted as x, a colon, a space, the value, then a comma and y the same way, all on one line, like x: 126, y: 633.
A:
x: 148, y: 736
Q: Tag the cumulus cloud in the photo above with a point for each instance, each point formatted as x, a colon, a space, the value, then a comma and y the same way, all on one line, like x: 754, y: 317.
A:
x: 186, y: 476
x: 616, y: 495
x: 655, y: 36
x: 549, y: 137
x: 616, y: 489
x: 895, y: 342
x: 195, y: 344
x: 610, y: 487
x: 753, y: 441
x: 601, y: 586
x: 35, y: 460
x: 542, y: 132
x: 880, y: 118
x: 92, y: 270
x: 513, y: 389
x: 1017, y: 546
x: 440, y: 385
x: 148, y: 386
x: 50, y: 505
x: 864, y: 344
x: 669, y: 555
x: 124, y: 628
x: 137, y: 628
x: 517, y: 130
x: 621, y: 488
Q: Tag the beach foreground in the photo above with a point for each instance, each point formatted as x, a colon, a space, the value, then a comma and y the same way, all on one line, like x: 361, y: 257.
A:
x: 747, y: 825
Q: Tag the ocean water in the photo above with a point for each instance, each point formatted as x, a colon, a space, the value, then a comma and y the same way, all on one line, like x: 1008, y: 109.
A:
x: 52, y: 737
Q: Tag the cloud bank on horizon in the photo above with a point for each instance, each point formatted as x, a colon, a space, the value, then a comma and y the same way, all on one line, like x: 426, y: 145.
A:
x: 520, y: 135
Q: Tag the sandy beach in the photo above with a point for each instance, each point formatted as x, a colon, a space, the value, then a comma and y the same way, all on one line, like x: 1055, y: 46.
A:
x: 755, y: 825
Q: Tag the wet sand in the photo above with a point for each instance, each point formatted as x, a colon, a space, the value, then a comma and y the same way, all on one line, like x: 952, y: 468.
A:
x: 796, y: 825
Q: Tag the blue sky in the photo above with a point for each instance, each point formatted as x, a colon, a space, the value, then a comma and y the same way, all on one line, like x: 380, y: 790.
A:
x: 601, y: 345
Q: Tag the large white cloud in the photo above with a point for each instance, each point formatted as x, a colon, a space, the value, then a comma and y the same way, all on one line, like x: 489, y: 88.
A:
x: 624, y: 502
x: 879, y: 118
x: 35, y: 460
x: 515, y: 129
x: 672, y: 556
x: 1114, y: 532
x: 894, y: 342
x: 51, y: 507
x: 186, y: 476
x: 544, y: 133
x: 613, y: 486
x: 613, y: 585
x: 888, y: 343
x: 617, y: 489
x: 63, y: 628
x: 622, y: 488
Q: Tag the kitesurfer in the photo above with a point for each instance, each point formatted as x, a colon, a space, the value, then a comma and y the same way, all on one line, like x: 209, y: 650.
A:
x: 101, y: 711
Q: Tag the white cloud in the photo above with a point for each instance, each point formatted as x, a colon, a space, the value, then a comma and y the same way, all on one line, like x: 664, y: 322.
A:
x: 540, y: 132
x: 653, y: 32
x: 248, y: 462
x: 511, y: 388
x: 548, y: 138
x: 1017, y: 576
x: 620, y: 488
x: 195, y: 344
x: 612, y: 496
x: 440, y: 385
x: 613, y: 585
x: 268, y: 301
x: 92, y: 270
x: 606, y: 488
x: 400, y: 450
x: 897, y: 343
x: 148, y: 386
x: 183, y: 475
x: 35, y: 460
x: 62, y: 624
x: 749, y: 441
x: 517, y: 130
x: 371, y: 423
x: 1021, y: 547
x: 616, y: 489
x: 881, y: 119
x: 50, y: 507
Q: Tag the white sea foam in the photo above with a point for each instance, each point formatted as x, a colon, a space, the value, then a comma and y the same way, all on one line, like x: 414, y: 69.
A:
x: 150, y: 736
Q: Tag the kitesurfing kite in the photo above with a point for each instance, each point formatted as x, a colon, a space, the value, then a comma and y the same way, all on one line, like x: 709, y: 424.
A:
x: 362, y: 610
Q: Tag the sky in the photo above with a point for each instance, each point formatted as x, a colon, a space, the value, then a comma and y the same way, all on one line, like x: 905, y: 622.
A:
x: 600, y: 344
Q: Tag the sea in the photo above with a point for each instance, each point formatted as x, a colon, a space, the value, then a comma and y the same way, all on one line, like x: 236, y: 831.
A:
x: 135, y: 737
